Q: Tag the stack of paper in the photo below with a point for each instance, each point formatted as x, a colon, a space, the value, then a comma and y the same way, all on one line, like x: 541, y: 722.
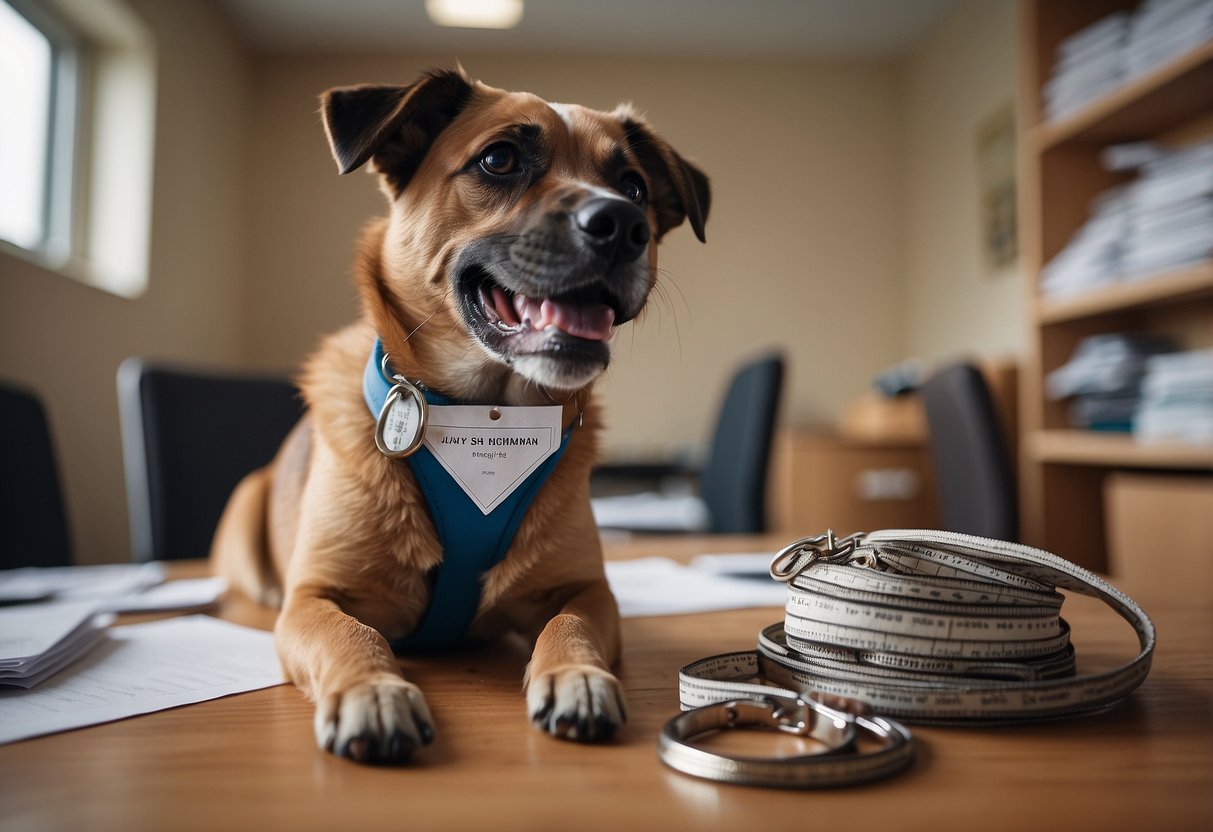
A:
x: 1171, y: 213
x: 141, y: 668
x: 1089, y: 64
x: 1103, y: 379
x: 40, y: 640
x: 660, y: 586
x: 1161, y: 30
x: 1114, y: 50
x: 1159, y: 222
x: 78, y: 583
x: 116, y: 587
x: 1092, y: 256
x: 1177, y: 398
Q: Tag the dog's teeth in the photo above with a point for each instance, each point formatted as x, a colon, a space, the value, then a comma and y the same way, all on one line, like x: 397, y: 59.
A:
x: 503, y: 308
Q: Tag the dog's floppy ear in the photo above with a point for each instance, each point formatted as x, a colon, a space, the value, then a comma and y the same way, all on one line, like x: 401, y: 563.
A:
x: 392, y: 126
x: 678, y: 189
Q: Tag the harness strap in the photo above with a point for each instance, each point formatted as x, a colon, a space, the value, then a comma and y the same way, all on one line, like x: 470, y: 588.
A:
x: 472, y: 542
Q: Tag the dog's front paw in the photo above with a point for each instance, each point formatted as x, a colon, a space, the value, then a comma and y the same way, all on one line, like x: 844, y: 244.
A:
x: 576, y: 702
x: 382, y: 720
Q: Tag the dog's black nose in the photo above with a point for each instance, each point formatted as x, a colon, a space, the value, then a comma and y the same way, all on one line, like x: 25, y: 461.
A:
x: 616, y: 229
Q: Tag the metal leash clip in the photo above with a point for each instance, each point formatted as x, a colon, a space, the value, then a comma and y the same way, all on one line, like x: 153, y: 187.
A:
x: 839, y: 762
x: 400, y: 428
x: 795, y: 558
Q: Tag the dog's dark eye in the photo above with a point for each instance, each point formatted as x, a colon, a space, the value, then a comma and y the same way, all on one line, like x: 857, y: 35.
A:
x: 633, y: 188
x: 499, y: 160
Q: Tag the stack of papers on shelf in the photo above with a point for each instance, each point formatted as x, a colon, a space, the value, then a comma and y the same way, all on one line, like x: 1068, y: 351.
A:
x: 1170, y: 206
x: 1089, y: 64
x: 1177, y: 398
x: 1159, y: 222
x: 1092, y: 256
x: 37, y: 641
x: 1103, y: 378
x: 1161, y: 30
x: 1114, y: 50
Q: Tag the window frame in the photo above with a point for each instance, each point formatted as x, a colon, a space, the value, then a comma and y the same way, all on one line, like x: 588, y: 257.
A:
x: 64, y: 139
x: 102, y: 179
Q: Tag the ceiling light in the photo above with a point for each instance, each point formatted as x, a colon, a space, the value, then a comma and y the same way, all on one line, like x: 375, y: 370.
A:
x: 475, y: 14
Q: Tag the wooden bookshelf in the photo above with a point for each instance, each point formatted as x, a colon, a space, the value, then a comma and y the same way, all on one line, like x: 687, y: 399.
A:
x: 1194, y: 284
x: 1063, y: 471
x: 1156, y: 102
x: 1084, y: 447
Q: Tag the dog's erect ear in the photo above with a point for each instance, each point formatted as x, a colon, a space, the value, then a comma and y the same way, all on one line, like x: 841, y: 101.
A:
x: 678, y: 189
x: 392, y: 126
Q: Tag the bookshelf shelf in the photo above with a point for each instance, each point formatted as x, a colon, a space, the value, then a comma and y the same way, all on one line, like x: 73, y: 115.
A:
x: 1153, y: 103
x: 1160, y: 290
x: 1078, y: 447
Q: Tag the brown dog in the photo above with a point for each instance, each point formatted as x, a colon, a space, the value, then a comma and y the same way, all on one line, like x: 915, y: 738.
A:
x: 520, y: 233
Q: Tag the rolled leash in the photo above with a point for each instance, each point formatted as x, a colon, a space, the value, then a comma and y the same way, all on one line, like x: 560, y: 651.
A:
x: 928, y: 626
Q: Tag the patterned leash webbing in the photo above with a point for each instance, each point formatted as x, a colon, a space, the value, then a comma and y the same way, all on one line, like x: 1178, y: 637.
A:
x: 929, y: 626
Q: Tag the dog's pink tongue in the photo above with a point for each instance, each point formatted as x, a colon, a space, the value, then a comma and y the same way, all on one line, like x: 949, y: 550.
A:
x: 591, y: 321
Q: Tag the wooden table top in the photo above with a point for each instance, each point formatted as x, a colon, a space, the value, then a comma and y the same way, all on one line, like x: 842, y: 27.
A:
x: 249, y: 761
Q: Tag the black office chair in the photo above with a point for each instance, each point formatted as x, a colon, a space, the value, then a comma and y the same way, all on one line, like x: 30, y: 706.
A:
x: 732, y: 484
x: 33, y: 518
x: 188, y: 437
x: 973, y: 473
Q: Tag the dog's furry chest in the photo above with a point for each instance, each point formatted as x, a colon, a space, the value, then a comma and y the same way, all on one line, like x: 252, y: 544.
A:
x: 390, y: 545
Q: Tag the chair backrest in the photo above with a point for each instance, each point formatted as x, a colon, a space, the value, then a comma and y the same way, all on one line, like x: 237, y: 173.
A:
x: 33, y: 519
x: 188, y: 437
x: 974, y: 477
x: 733, y: 483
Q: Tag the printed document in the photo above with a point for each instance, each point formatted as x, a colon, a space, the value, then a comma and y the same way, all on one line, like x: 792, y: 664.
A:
x: 141, y: 668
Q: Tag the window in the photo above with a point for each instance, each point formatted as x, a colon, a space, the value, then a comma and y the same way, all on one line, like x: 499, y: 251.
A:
x: 77, y: 116
x: 27, y: 125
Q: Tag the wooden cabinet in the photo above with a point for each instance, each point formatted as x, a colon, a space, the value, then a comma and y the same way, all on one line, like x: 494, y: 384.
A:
x: 1064, y: 471
x: 821, y: 481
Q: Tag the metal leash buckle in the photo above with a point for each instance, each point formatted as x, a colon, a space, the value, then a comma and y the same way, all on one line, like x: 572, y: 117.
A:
x: 795, y: 558
x: 839, y: 762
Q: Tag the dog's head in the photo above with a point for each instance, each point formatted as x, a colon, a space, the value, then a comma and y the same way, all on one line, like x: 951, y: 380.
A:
x: 528, y: 227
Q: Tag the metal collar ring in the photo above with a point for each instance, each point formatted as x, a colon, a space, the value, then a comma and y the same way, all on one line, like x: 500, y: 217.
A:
x: 841, y: 762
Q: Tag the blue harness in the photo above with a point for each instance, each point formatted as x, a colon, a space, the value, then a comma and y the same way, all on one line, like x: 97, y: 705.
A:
x: 472, y: 542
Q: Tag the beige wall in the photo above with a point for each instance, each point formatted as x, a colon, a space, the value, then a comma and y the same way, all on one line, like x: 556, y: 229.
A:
x: 803, y: 239
x: 843, y: 229
x: 66, y: 340
x: 955, y: 79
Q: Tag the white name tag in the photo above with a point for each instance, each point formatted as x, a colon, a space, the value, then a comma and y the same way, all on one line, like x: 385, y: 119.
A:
x: 490, y: 451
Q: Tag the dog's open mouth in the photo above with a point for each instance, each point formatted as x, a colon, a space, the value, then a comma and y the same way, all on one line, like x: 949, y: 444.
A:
x: 558, y: 336
x: 586, y: 313
x: 532, y: 323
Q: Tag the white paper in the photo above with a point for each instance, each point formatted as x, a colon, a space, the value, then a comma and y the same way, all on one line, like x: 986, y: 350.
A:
x: 660, y: 586
x: 28, y: 632
x: 490, y: 457
x: 37, y: 670
x: 192, y: 594
x: 737, y: 564
x: 77, y: 583
x: 141, y: 668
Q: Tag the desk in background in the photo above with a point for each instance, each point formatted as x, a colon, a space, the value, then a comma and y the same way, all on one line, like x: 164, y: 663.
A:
x: 824, y: 480
x: 249, y: 761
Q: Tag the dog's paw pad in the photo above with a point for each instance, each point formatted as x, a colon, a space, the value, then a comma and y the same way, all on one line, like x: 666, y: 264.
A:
x: 381, y: 721
x: 580, y: 703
